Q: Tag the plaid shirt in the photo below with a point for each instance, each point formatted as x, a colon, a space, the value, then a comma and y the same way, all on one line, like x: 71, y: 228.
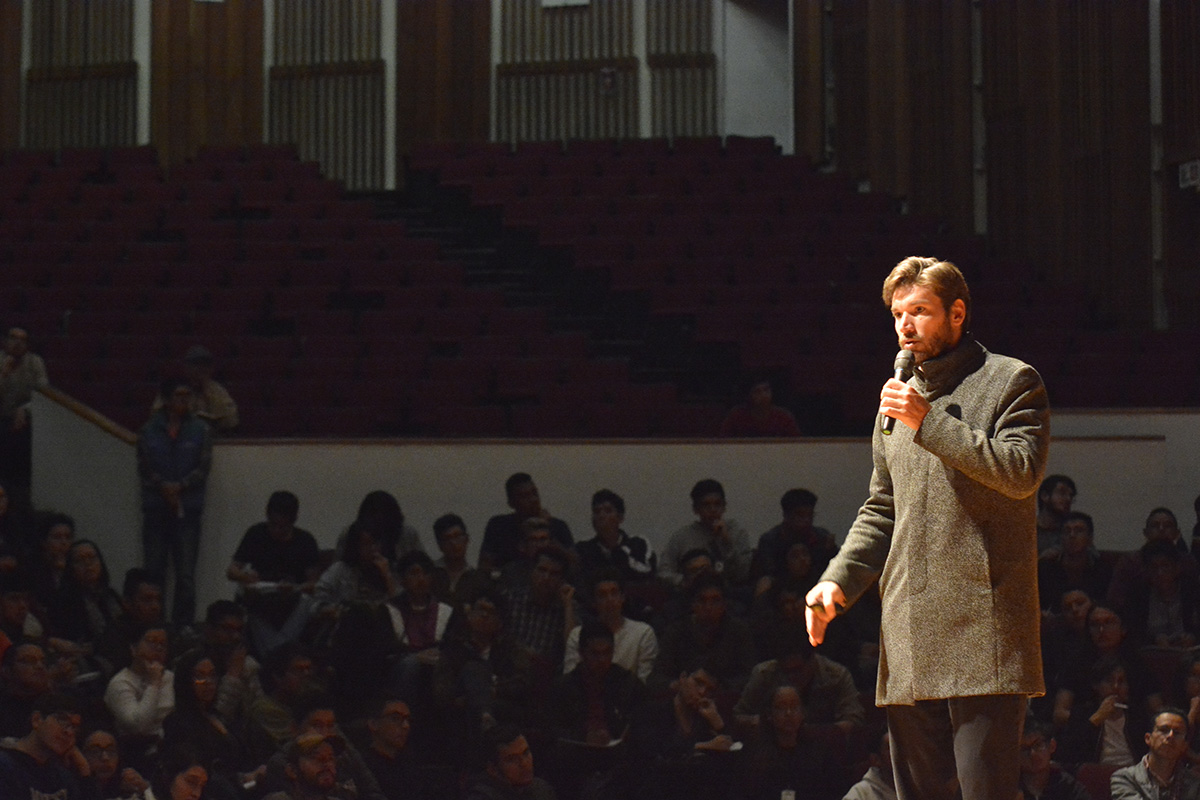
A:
x: 540, y: 628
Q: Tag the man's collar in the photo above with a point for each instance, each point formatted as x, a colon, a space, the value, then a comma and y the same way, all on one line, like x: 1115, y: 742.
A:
x: 945, y: 371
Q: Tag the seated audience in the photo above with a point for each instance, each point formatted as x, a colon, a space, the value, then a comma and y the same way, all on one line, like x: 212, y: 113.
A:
x: 419, y: 622
x: 1104, y: 725
x: 1041, y: 778
x: 635, y: 647
x: 318, y: 720
x: 197, y: 724
x: 725, y: 539
x: 878, y: 783
x: 46, y: 561
x: 797, y: 526
x: 276, y: 567
x: 1164, y: 609
x: 44, y: 761
x: 502, y: 536
x: 612, y: 547
x: 535, y: 537
x: 708, y: 638
x: 141, y: 607
x: 485, y: 674
x: 825, y: 687
x: 85, y: 605
x: 107, y: 779
x: 1163, y: 771
x: 1107, y: 637
x: 180, y: 775
x: 210, y: 401
x: 1055, y: 495
x: 509, y: 772
x: 791, y: 754
x: 312, y: 770
x: 290, y: 677
x: 140, y: 696
x: 238, y: 685
x: 364, y: 575
x: 541, y: 615
x: 759, y: 416
x: 454, y: 580
x: 380, y: 512
x: 1130, y: 570
x: 24, y: 679
x: 1074, y: 564
x: 387, y: 754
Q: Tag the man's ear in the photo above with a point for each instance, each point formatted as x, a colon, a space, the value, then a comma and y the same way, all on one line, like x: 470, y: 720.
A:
x: 1052, y: 746
x: 958, y: 312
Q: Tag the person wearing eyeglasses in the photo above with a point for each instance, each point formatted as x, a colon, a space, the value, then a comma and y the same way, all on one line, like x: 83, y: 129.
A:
x: 1163, y: 772
x: 44, y: 762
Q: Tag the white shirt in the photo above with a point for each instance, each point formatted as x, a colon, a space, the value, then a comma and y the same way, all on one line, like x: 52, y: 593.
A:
x: 634, y: 647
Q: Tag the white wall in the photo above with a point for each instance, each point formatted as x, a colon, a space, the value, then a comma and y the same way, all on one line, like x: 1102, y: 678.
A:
x: 754, y: 64
x: 1123, y: 464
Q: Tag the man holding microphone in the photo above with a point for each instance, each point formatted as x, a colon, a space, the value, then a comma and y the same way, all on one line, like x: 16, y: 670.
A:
x: 950, y: 531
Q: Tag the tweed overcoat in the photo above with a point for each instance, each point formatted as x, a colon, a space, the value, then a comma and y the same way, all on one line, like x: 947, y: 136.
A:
x: 950, y: 530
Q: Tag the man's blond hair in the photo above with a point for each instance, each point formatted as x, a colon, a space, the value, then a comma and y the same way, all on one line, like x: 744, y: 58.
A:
x: 941, y: 277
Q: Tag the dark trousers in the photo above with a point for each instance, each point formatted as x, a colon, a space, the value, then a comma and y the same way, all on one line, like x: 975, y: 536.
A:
x: 974, y: 739
x: 167, y: 534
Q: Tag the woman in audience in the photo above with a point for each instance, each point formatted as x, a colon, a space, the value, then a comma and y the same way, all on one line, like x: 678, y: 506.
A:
x: 195, y: 724
x: 363, y: 574
x: 82, y: 609
x: 142, y: 695
x: 47, y: 559
x: 1107, y: 724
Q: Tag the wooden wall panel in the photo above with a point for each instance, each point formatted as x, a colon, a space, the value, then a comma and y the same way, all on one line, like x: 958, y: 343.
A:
x: 206, y: 76
x: 808, y: 78
x: 683, y: 68
x: 443, y: 72
x: 81, y: 88
x: 1067, y: 93
x: 10, y: 74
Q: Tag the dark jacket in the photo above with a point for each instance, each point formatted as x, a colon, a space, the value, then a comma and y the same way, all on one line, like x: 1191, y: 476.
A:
x: 183, y: 459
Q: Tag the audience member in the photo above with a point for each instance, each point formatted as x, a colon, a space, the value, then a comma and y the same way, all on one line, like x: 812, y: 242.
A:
x: 1129, y: 572
x: 1041, y: 778
x: 17, y: 620
x: 509, y: 773
x: 797, y: 526
x: 21, y: 372
x: 1065, y: 639
x: 1104, y: 725
x: 312, y: 770
x: 276, y: 566
x: 1107, y: 638
x: 597, y: 701
x: 318, y: 721
x: 454, y: 580
x: 1163, y: 610
x: 238, y: 685
x: 107, y: 779
x: 1163, y: 771
x: 542, y: 614
x: 179, y: 776
x: 44, y: 762
x: 291, y: 677
x: 878, y: 783
x: 363, y: 574
x: 1073, y: 564
x: 759, y: 416
x: 708, y: 638
x: 791, y: 754
x: 535, y: 537
x: 24, y: 679
x: 1055, y: 495
x: 387, y: 754
x: 419, y: 621
x: 635, y: 647
x: 47, y: 560
x: 141, y: 696
x: 692, y: 564
x: 502, y: 536
x: 197, y: 724
x: 612, y: 547
x: 85, y: 605
x: 485, y: 675
x: 174, y: 455
x: 210, y: 400
x: 727, y: 541
x: 141, y: 607
x: 825, y: 687
x: 380, y: 512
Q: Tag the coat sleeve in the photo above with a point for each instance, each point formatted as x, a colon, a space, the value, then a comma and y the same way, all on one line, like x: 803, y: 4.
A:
x: 1011, y: 457
x: 861, y: 557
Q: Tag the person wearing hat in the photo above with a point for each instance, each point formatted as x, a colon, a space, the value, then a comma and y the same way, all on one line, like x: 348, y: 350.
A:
x: 211, y: 401
x: 312, y: 769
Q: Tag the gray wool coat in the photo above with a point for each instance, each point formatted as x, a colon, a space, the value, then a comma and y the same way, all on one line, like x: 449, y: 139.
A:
x: 950, y: 530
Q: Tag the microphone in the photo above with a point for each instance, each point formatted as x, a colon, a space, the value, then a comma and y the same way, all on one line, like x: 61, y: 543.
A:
x: 903, y: 371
